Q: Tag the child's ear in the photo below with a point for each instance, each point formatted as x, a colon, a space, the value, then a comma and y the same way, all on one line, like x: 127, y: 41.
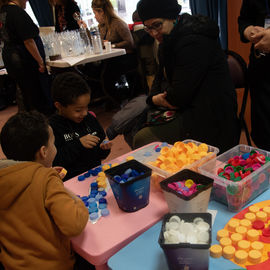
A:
x: 41, y: 154
x: 58, y: 105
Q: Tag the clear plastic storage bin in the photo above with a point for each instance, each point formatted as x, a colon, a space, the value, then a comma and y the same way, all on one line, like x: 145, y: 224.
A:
x: 237, y: 194
x: 193, y: 166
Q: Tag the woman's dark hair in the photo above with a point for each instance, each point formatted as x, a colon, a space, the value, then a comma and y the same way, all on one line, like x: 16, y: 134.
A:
x: 67, y: 87
x: 23, y: 135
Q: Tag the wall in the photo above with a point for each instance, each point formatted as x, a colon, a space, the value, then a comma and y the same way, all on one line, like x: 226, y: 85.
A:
x: 236, y: 45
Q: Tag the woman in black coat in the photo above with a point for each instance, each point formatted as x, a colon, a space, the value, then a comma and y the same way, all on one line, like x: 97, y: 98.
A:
x: 193, y: 81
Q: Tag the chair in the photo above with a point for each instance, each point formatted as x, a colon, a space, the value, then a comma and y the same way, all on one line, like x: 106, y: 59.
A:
x: 238, y: 71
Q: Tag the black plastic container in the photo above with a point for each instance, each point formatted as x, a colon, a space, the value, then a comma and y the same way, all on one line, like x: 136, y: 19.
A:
x: 185, y: 255
x: 134, y: 194
x: 197, y: 202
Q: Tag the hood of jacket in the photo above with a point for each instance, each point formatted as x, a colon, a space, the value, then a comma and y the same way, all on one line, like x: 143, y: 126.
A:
x: 194, y: 25
x: 15, y: 177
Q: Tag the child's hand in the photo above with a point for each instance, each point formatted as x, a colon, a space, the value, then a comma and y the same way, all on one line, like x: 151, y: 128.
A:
x: 61, y: 171
x: 89, y: 141
x: 105, y: 145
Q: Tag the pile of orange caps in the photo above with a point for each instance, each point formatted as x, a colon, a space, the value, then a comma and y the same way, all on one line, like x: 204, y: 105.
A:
x: 179, y: 156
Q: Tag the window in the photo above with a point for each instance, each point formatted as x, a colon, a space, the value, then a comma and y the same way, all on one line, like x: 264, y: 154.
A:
x: 124, y: 8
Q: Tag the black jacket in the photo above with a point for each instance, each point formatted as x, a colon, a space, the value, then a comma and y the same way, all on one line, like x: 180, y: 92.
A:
x: 71, y: 154
x: 194, y: 73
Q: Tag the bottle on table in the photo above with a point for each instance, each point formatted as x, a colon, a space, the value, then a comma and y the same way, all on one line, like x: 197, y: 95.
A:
x: 96, y: 40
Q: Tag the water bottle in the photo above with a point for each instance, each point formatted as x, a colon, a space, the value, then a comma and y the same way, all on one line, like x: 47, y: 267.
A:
x: 96, y: 40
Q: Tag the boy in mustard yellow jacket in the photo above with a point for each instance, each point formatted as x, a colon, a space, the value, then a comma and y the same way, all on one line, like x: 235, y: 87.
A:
x: 37, y: 214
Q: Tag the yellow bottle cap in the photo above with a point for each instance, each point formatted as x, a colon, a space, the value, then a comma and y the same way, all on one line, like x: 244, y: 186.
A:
x: 246, y: 223
x: 242, y: 230
x: 266, y: 209
x: 257, y: 245
x: 261, y: 216
x: 228, y: 252
x: 250, y: 216
x: 254, y: 256
x: 222, y: 233
x: 243, y: 245
x: 240, y: 256
x: 252, y: 235
x: 225, y: 241
x: 215, y: 251
x: 236, y: 237
x: 253, y: 209
x: 232, y: 224
x: 129, y: 158
x: 105, y: 167
x: 189, y: 183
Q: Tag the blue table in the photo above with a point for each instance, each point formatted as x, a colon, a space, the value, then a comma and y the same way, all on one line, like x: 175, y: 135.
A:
x: 144, y: 253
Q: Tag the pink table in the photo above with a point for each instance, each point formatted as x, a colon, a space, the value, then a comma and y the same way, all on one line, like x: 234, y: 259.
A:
x: 98, y: 242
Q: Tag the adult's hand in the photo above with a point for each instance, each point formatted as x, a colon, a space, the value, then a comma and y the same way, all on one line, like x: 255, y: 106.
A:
x: 160, y: 100
x: 251, y: 32
x: 263, y: 44
x: 89, y: 141
x: 41, y: 67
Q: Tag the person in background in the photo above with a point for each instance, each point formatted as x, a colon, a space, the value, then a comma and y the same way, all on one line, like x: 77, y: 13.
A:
x: 115, y: 30
x: 24, y: 57
x: 192, y: 94
x: 67, y: 15
x: 38, y: 214
x: 79, y: 138
x: 253, y: 22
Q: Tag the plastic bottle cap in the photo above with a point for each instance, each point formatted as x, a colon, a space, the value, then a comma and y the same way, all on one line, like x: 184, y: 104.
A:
x: 254, y: 256
x: 250, y: 216
x: 225, y: 241
x: 252, y: 235
x: 102, y: 200
x: 222, y: 233
x: 257, y: 246
x: 244, y: 245
x: 253, y: 209
x: 81, y: 177
x: 261, y: 216
x: 91, y: 200
x: 236, y: 237
x: 232, y: 224
x: 266, y: 209
x: 258, y: 225
x: 102, y: 206
x: 228, y: 252
x: 105, y: 212
x: 93, y: 216
x: 215, y: 251
x: 246, y: 223
x: 240, y: 256
x: 242, y: 230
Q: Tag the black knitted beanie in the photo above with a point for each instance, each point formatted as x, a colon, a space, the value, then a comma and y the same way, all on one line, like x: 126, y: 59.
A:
x: 149, y: 9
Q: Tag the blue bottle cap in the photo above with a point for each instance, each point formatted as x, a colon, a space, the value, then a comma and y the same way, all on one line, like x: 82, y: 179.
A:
x: 124, y: 176
x: 87, y: 174
x: 103, y: 193
x: 98, y: 169
x: 91, y: 200
x: 90, y: 172
x: 134, y: 173
x: 84, y: 198
x: 102, y: 200
x: 94, y: 184
x: 102, y: 206
x: 117, y: 178
x: 93, y: 216
x: 158, y: 149
x: 98, y: 196
x: 105, y: 212
x: 95, y: 172
x: 128, y: 171
x: 93, y: 204
x: 81, y: 177
x: 92, y: 209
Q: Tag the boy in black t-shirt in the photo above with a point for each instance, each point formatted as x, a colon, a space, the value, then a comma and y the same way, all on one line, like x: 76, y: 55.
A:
x: 79, y: 138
